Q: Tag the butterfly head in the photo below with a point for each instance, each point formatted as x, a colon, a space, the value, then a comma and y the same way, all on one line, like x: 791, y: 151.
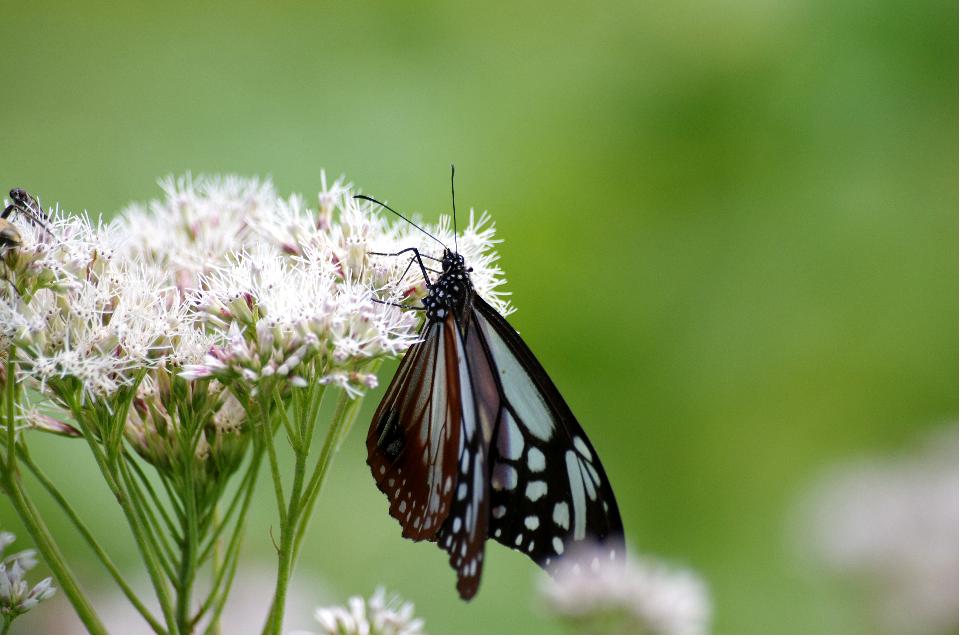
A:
x: 452, y: 261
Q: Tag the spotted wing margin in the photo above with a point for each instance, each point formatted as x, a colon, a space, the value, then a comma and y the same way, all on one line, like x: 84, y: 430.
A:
x: 414, y: 439
x: 549, y: 493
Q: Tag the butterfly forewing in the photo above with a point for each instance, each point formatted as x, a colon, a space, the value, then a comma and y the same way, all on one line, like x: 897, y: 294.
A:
x: 415, y: 438
x: 549, y: 491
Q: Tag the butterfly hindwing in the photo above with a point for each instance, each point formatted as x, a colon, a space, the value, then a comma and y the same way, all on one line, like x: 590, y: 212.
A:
x: 414, y: 440
x: 549, y: 491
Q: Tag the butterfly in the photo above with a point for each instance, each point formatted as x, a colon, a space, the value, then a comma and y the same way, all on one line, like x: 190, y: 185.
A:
x: 472, y: 440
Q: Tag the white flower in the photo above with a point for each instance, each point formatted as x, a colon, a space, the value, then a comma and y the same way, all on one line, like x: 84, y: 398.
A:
x: 199, y: 223
x: 16, y: 595
x: 99, y: 332
x: 284, y: 314
x: 893, y: 523
x: 643, y: 595
x: 66, y: 247
x: 380, y: 615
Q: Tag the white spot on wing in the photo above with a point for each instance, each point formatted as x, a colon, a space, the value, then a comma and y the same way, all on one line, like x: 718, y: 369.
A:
x: 577, y: 494
x: 561, y: 515
x: 535, y: 490
x: 536, y: 461
x: 582, y: 447
x: 531, y: 522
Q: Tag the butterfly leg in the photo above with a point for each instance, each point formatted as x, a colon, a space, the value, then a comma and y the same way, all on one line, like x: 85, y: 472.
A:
x: 417, y: 256
x: 411, y: 263
x: 6, y: 211
x: 397, y: 305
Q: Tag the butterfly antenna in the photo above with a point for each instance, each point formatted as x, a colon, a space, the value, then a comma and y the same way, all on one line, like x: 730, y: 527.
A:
x: 454, y: 211
x: 383, y: 205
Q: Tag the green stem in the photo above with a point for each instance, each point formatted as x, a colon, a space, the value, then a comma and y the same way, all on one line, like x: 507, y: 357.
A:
x: 88, y: 536
x: 247, y: 482
x: 344, y: 416
x: 266, y: 428
x: 133, y: 520
x: 30, y: 517
x: 220, y: 591
x: 303, y: 499
x: 285, y: 551
x: 160, y: 548
x: 172, y: 497
x: 188, y: 566
x: 292, y: 434
x: 154, y: 497
x: 11, y: 459
x: 52, y: 555
x: 159, y: 541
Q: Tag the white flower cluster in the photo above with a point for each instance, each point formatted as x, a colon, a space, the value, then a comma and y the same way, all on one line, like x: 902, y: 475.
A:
x: 16, y: 595
x: 644, y: 595
x: 76, y: 312
x: 892, y: 523
x: 379, y: 615
x: 279, y: 311
x: 220, y: 280
x: 199, y: 224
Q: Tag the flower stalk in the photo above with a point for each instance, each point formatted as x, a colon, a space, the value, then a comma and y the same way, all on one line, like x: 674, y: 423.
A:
x: 30, y: 516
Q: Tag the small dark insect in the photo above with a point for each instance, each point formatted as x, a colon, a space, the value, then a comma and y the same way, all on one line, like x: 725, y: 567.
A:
x: 28, y: 206
x: 473, y: 440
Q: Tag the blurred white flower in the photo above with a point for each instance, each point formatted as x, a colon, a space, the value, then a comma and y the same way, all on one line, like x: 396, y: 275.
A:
x: 643, y: 595
x: 16, y: 595
x: 892, y: 523
x: 379, y: 615
x: 243, y: 613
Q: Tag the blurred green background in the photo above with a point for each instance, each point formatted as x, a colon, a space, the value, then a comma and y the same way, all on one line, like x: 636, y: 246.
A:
x: 730, y: 231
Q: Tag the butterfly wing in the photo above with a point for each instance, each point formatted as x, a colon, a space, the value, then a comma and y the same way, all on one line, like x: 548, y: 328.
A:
x: 549, y: 491
x: 415, y: 437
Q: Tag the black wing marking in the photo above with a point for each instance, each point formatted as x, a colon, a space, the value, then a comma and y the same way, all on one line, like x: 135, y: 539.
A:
x: 415, y: 437
x: 549, y: 493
